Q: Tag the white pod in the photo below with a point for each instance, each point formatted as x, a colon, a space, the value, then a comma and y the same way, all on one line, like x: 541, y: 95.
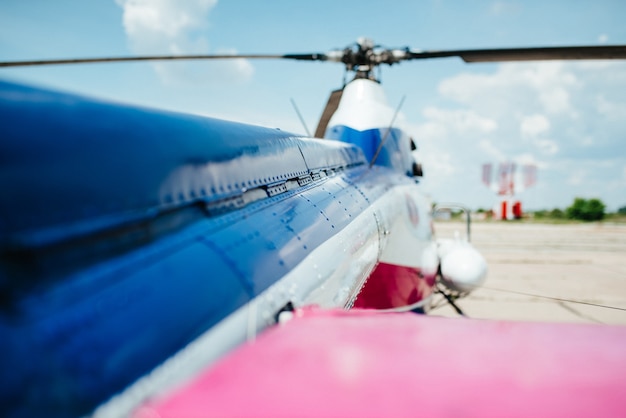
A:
x: 463, y: 268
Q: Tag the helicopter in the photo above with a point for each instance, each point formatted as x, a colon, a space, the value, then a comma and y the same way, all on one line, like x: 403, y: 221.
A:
x: 139, y: 248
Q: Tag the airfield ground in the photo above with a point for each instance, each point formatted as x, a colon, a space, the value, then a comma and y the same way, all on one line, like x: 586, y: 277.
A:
x: 547, y: 272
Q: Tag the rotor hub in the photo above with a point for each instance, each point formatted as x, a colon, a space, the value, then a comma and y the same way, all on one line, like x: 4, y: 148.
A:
x: 364, y: 55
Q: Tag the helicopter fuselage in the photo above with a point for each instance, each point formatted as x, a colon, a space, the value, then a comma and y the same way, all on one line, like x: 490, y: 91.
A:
x: 130, y: 233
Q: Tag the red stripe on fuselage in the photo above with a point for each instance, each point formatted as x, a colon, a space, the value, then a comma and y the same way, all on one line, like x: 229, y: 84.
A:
x: 392, y: 286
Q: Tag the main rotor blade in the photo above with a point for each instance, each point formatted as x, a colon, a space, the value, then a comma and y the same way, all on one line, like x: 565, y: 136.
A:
x: 528, y: 54
x: 301, y: 57
x: 392, y: 56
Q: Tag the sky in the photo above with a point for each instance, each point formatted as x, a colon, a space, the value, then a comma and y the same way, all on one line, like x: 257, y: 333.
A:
x: 567, y: 118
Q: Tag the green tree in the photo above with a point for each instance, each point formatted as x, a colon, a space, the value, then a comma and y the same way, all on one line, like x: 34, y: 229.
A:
x: 586, y: 210
x: 540, y: 214
x: 575, y: 211
x: 594, y: 210
x: 557, y: 214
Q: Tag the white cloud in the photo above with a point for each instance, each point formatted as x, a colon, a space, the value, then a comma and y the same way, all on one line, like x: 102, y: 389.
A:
x: 534, y: 125
x: 178, y: 27
x: 603, y: 38
x: 533, y: 128
x: 555, y: 100
x: 600, y: 65
x: 576, y: 178
x: 438, y: 166
x: 465, y: 122
x: 567, y: 118
x: 157, y: 26
x: 492, y: 152
x: 586, y: 141
x: 544, y: 85
x: 530, y: 159
x: 547, y: 146
x: 611, y: 109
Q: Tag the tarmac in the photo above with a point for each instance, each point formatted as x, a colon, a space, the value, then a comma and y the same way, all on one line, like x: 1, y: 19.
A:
x: 546, y: 272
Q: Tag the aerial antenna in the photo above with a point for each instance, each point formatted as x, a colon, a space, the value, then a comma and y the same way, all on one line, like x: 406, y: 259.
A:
x: 506, y: 186
x: 382, y: 142
x: 295, y: 107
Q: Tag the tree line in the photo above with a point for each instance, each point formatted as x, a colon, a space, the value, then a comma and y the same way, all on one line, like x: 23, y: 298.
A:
x: 581, y: 210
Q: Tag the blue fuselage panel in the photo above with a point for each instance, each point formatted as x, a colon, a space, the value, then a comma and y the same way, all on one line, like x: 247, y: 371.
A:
x: 126, y: 233
x: 394, y: 152
x: 96, y: 331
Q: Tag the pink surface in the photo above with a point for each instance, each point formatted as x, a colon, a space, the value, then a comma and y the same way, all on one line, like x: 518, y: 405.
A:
x: 367, y: 364
x: 391, y: 286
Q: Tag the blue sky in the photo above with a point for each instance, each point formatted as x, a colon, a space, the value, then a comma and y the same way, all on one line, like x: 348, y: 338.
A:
x: 567, y: 118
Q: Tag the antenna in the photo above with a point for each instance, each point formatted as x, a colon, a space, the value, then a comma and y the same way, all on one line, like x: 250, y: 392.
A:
x: 382, y: 142
x: 504, y: 185
x: 295, y: 107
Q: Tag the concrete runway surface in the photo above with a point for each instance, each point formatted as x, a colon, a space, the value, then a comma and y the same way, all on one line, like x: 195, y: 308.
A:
x: 546, y: 272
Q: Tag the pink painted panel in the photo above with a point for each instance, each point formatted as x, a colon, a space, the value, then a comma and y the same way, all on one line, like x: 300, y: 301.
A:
x: 368, y: 364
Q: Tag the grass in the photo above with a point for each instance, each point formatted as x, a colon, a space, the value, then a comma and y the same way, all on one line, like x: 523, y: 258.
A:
x: 614, y: 218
